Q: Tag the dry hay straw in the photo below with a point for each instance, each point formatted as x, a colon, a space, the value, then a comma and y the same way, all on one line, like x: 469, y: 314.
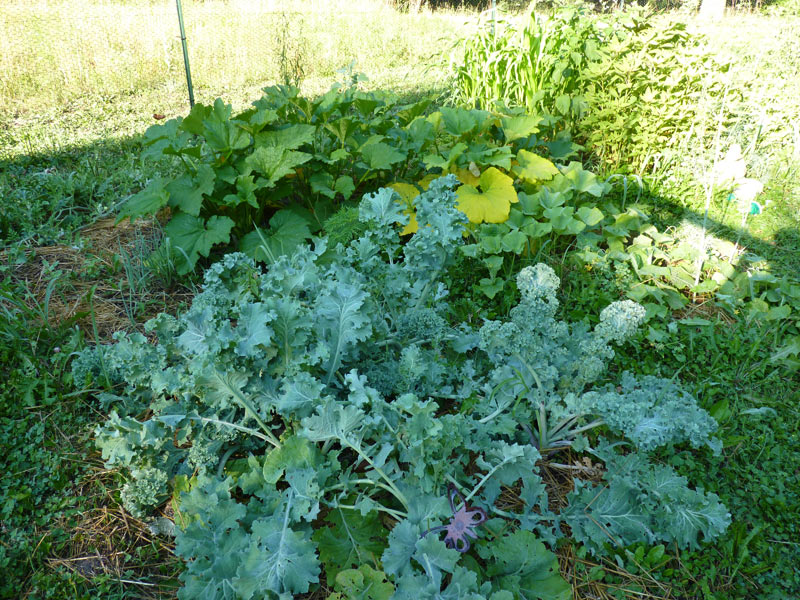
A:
x: 106, y: 540
x: 98, y: 305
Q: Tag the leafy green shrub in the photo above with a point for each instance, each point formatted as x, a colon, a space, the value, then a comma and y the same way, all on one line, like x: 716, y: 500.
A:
x: 643, y: 96
x: 286, y: 151
x: 329, y: 402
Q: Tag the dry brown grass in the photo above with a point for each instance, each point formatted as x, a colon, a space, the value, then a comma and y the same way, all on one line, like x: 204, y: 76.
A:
x: 83, y: 295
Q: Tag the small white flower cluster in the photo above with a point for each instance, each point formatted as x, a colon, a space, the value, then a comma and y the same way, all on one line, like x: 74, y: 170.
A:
x: 538, y: 280
x: 620, y: 320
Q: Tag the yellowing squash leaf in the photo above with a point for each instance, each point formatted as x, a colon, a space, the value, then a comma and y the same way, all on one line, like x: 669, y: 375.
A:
x: 407, y: 194
x: 426, y: 181
x: 468, y: 177
x: 492, y: 203
x: 534, y: 168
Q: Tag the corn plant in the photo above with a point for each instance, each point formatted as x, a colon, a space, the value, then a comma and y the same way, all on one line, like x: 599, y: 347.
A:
x: 538, y: 67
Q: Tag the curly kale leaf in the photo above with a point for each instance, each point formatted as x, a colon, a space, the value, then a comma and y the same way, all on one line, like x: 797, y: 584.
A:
x: 341, y: 318
x: 279, y: 560
x: 213, y: 542
x: 641, y: 502
x: 147, y: 488
x: 226, y: 558
x: 653, y: 412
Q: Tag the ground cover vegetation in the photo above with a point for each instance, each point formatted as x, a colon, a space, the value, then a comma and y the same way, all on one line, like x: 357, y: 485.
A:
x: 535, y: 337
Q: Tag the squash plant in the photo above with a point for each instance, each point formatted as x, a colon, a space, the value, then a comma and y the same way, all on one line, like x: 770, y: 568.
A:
x: 266, y: 179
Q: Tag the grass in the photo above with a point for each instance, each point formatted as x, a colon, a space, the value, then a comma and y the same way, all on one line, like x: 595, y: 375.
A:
x: 79, y: 87
x: 53, y: 54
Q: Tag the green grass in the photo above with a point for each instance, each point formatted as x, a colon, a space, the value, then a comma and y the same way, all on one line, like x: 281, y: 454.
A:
x: 79, y: 90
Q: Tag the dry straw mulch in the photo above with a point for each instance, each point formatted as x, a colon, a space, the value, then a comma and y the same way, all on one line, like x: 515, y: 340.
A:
x: 84, y: 292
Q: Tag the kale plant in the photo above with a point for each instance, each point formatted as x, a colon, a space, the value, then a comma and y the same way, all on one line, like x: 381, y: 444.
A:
x: 326, y: 414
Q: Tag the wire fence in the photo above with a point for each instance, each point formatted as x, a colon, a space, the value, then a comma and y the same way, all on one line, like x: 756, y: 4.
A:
x: 54, y: 51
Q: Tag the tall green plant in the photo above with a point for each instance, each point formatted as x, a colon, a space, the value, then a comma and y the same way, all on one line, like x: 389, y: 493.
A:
x: 643, y: 96
x: 539, y: 67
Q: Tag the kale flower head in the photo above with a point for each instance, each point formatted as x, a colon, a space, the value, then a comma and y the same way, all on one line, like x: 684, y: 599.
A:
x: 620, y: 320
x: 537, y: 281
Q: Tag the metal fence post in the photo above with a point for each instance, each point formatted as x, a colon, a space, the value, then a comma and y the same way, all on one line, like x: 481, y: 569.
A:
x: 185, y: 55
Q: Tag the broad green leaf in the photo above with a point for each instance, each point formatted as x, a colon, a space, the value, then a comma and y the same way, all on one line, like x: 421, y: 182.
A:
x: 534, y: 168
x: 492, y: 203
x: 186, y: 193
x: 779, y: 312
x: 563, y: 104
x: 287, y: 138
x: 345, y: 186
x: 521, y: 126
x: 322, y: 183
x: 381, y: 156
x: 537, y: 230
x: 491, y: 287
x: 220, y: 133
x: 493, y: 263
x: 245, y: 192
x: 339, y: 154
x: 560, y: 217
x: 350, y: 540
x: 590, y: 216
x: 147, y: 202
x: 551, y: 199
x: 287, y: 230
x: 193, y: 237
x: 193, y: 122
x: 342, y: 128
x: 363, y: 583
x: 514, y: 241
x: 275, y: 162
x: 583, y: 181
x: 438, y: 161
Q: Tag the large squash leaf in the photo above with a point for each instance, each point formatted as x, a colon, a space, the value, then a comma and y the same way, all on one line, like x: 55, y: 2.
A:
x: 194, y: 237
x: 490, y: 204
x: 275, y: 162
x: 147, y: 202
x: 534, y: 168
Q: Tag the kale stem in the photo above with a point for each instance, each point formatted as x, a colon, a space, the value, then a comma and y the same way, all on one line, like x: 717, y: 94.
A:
x: 591, y: 425
x: 241, y: 428
x: 484, y: 480
x: 397, y: 514
x: 396, y: 492
x: 500, y: 409
x: 530, y: 370
x: 383, y: 486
